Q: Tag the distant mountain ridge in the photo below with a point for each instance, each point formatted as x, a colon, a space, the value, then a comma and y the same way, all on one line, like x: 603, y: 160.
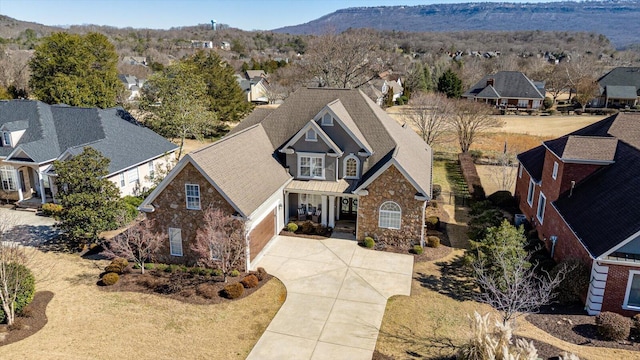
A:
x: 618, y: 20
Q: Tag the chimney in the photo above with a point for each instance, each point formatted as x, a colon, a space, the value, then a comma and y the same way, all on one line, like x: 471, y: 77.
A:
x: 490, y: 81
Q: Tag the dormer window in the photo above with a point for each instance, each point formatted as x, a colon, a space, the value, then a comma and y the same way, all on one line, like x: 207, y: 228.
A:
x: 351, y: 167
x: 327, y: 120
x: 6, y: 138
x: 311, y: 136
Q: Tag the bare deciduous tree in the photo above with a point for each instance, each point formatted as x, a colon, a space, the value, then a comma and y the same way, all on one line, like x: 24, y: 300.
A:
x: 139, y: 243
x: 220, y: 241
x: 347, y: 60
x: 582, y: 74
x: 429, y: 114
x: 503, y: 174
x: 469, y: 119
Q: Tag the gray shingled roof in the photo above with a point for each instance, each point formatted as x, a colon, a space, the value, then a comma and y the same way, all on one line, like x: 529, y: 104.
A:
x: 243, y: 167
x: 621, y: 92
x: 622, y: 76
x: 507, y: 84
x: 602, y: 210
x: 583, y: 148
x: 54, y: 129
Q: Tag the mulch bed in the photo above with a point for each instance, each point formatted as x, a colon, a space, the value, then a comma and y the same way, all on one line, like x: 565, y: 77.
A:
x: 179, y: 285
x: 572, y: 324
x: 34, y: 319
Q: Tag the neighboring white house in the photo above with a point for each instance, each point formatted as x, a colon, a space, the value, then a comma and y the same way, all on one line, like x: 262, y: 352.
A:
x: 132, y: 84
x: 34, y: 134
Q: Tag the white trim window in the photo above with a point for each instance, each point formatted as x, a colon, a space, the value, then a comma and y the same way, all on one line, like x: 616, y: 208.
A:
x: 311, y: 135
x: 122, y: 181
x: 532, y: 187
x: 632, y: 295
x: 554, y: 174
x: 8, y: 178
x: 311, y: 166
x: 523, y: 103
x: 6, y: 138
x: 542, y: 203
x: 133, y: 176
x: 390, y: 215
x: 193, y: 196
x: 520, y: 171
x: 327, y: 120
x: 175, y: 242
x: 351, y: 167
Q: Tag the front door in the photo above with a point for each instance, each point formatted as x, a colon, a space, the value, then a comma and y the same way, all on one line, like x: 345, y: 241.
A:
x: 348, y: 208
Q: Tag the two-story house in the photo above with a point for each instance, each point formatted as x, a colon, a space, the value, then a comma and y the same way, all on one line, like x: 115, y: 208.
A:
x: 580, y: 192
x: 35, y: 134
x: 332, y: 153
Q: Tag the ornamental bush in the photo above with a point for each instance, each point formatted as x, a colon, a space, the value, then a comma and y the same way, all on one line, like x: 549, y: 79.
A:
x: 613, y: 326
x: 432, y: 222
x: 417, y: 249
x: 110, y: 278
x: 261, y: 273
x: 234, y: 273
x: 233, y: 291
x: 206, y: 290
x: 51, y: 209
x: 575, y: 283
x: 28, y: 287
x: 249, y: 281
x: 433, y: 241
x: 369, y: 243
x: 292, y: 227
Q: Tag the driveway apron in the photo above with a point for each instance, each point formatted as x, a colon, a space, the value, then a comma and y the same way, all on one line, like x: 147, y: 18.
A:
x: 336, y: 297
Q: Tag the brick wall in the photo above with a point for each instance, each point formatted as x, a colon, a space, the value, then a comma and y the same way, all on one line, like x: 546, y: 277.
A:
x: 391, y: 185
x: 171, y: 211
x: 552, y: 188
x: 616, y: 289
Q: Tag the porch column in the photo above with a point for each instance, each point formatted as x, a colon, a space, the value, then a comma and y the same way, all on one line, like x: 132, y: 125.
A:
x: 19, y: 181
x: 323, y: 215
x: 43, y: 197
x: 286, y: 208
x: 332, y: 209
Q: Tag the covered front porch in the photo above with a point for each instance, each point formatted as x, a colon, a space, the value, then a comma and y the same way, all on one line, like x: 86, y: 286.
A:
x: 325, y: 202
x: 23, y: 182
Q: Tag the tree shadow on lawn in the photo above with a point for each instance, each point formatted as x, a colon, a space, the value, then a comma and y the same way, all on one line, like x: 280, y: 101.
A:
x: 455, y: 280
x: 418, y: 346
x: 32, y: 235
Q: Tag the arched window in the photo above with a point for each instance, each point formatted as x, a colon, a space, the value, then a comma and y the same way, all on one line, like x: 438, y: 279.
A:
x: 390, y: 215
x: 351, y: 167
x: 327, y: 120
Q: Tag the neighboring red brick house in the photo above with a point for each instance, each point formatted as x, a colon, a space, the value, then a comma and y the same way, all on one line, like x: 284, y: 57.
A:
x: 324, y: 154
x: 581, y: 193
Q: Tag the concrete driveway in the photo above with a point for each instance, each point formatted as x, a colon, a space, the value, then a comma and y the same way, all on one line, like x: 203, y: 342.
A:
x: 336, y: 297
x: 27, y: 227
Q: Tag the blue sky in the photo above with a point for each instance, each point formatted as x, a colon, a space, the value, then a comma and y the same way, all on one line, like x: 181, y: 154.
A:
x: 163, y: 14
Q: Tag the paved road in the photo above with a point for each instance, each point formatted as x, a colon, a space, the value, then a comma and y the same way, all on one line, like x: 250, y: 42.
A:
x: 27, y: 227
x: 336, y: 297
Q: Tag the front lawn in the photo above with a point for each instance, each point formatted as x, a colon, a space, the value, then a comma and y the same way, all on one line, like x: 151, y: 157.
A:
x: 87, y: 323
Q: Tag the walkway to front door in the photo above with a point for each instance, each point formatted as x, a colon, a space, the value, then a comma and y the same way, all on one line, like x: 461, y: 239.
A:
x: 336, y: 297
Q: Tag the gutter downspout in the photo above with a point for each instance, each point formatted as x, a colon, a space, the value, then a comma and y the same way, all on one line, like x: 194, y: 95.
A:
x: 553, y: 239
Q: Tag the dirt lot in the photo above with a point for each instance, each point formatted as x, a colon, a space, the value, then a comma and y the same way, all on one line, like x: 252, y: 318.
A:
x: 87, y: 323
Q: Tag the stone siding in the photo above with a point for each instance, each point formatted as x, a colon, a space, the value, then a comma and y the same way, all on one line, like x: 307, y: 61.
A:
x: 391, y: 185
x: 171, y: 211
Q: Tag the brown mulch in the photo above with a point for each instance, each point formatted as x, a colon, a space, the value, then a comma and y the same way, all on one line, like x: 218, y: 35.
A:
x: 306, y: 236
x: 34, y: 319
x: 179, y: 285
x: 573, y: 325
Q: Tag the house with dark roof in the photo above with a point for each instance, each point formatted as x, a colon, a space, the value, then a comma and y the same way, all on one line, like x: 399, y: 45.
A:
x: 35, y: 134
x: 619, y: 88
x: 328, y: 155
x: 508, y: 89
x: 580, y: 192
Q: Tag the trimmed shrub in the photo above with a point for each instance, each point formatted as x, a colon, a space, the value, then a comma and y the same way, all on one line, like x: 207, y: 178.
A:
x: 575, y: 283
x: 188, y: 292
x: 25, y: 295
x: 503, y: 199
x: 109, y: 279
x: 113, y: 268
x: 161, y: 267
x: 149, y: 266
x: 432, y: 222
x: 635, y: 326
x: 547, y: 102
x: 369, y: 243
x: 148, y: 281
x: 234, y: 273
x: 307, y: 227
x: 436, y: 190
x: 417, y: 249
x: 249, y: 281
x: 121, y: 262
x: 292, y: 227
x: 172, y: 268
x: 261, y: 273
x: 51, y: 209
x: 433, y: 241
x: 613, y: 326
x: 216, y: 272
x: 184, y: 268
x: 206, y: 290
x: 233, y: 291
x: 171, y: 287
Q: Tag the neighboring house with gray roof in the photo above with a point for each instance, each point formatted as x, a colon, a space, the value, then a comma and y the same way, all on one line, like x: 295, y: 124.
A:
x: 132, y: 84
x: 581, y: 192
x: 328, y: 155
x: 256, y: 89
x: 508, y: 89
x: 619, y: 88
x: 35, y: 134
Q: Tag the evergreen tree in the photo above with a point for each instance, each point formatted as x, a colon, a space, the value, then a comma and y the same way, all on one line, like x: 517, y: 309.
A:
x: 428, y: 78
x: 224, y: 95
x: 77, y: 70
x: 450, y: 84
x: 90, y: 202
